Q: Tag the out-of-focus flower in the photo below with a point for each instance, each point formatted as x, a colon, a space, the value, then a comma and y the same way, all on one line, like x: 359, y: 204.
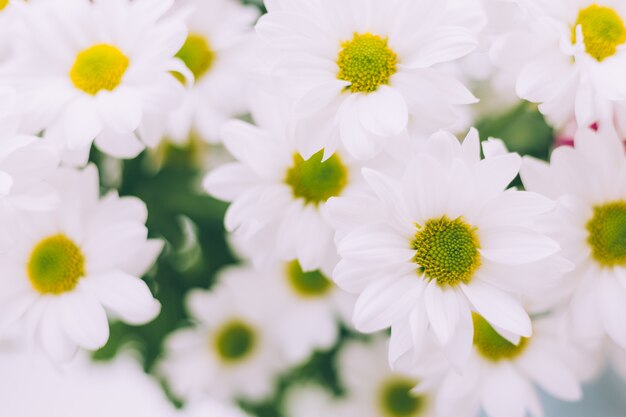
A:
x: 68, y: 266
x: 310, y: 400
x: 230, y: 352
x: 363, y: 73
x: 98, y: 70
x: 217, y: 51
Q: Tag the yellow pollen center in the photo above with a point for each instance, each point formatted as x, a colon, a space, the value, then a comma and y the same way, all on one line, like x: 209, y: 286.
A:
x: 235, y: 341
x: 100, y: 67
x: 397, y: 400
x: 55, y: 265
x: 3, y: 4
x: 603, y: 31
x: 367, y: 62
x: 607, y: 234
x: 197, y: 55
x: 491, y: 346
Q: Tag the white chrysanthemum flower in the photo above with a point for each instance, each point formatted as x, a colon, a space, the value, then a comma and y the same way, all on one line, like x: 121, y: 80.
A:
x: 442, y: 240
x: 590, y: 223
x: 99, y: 70
x: 217, y: 51
x: 501, y: 372
x: 68, y: 267
x: 373, y: 390
x: 362, y: 72
x: 118, y: 388
x: 278, y: 196
x: 315, y: 304
x: 311, y: 400
x: 230, y: 353
x: 570, y: 58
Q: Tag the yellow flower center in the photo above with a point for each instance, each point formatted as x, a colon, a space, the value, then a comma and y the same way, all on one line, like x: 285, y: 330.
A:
x: 99, y: 67
x: 311, y: 284
x: 197, y: 55
x: 447, y: 250
x: 235, y: 341
x: 607, y: 234
x: 603, y: 31
x: 55, y: 265
x: 316, y: 181
x: 367, y: 62
x: 3, y: 4
x: 491, y: 346
x: 397, y: 400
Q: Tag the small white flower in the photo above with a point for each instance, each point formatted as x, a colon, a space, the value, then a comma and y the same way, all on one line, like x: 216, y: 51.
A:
x: 217, y: 51
x: 589, y: 182
x: 278, y: 196
x: 362, y: 72
x: 309, y: 400
x: 230, y: 352
x: 443, y: 239
x: 373, y: 390
x: 569, y: 57
x: 69, y: 265
x: 98, y: 70
x: 500, y: 374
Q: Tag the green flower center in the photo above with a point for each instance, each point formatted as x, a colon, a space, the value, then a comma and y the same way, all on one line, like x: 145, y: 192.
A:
x: 312, y: 284
x: 316, y: 181
x: 100, y: 67
x: 397, y: 400
x: 197, y: 55
x: 491, y: 345
x: 235, y: 341
x: 447, y: 251
x: 603, y: 31
x: 367, y: 62
x: 607, y: 234
x: 55, y: 265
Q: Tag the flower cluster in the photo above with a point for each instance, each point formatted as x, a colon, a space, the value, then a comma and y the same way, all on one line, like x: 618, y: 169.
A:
x: 385, y: 245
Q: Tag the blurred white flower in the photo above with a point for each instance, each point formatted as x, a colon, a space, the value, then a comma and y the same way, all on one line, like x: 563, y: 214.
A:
x: 373, y: 390
x: 589, y: 181
x: 362, y: 72
x: 69, y: 265
x: 442, y: 240
x: 217, y: 51
x: 230, y: 352
x: 500, y: 374
x: 32, y: 387
x: 310, y: 400
x: 569, y: 57
x: 98, y: 70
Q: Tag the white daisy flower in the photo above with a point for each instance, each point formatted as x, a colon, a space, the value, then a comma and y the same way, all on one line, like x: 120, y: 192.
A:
x: 315, y: 304
x: 501, y: 372
x: 442, y: 240
x: 569, y: 57
x: 278, y: 196
x: 590, y: 223
x: 229, y: 354
x: 217, y: 52
x: 373, y: 390
x: 362, y: 72
x: 71, y: 265
x: 99, y: 70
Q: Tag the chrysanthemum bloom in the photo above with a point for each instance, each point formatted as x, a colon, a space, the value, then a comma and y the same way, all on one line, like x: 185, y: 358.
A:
x: 217, y: 51
x: 373, y: 390
x: 278, y: 195
x: 590, y: 223
x: 230, y: 353
x: 570, y: 58
x: 71, y: 266
x: 362, y: 72
x: 442, y: 240
x: 99, y: 70
x: 500, y: 374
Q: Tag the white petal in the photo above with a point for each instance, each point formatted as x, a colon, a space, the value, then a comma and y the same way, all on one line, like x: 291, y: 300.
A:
x: 375, y: 244
x: 515, y: 245
x: 81, y: 123
x: 127, y: 296
x: 83, y: 319
x: 504, y: 393
x: 498, y: 308
x: 115, y: 245
x: 54, y: 340
x: 119, y: 145
x: 120, y: 110
x: 442, y: 308
x: 384, y: 112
